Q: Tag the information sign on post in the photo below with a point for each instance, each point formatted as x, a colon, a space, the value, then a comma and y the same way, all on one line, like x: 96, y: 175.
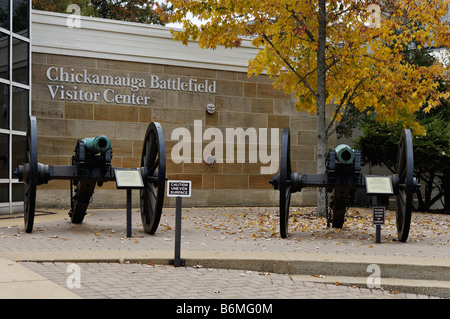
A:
x: 178, y: 189
x: 378, y: 187
x: 128, y: 179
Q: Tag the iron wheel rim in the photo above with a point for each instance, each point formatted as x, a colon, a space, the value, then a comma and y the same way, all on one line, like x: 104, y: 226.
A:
x: 285, y: 183
x: 30, y: 175
x: 405, y: 173
x: 153, y: 164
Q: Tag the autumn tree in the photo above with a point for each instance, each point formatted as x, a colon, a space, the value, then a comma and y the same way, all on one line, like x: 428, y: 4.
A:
x: 345, y: 52
x: 142, y: 11
x: 378, y: 144
x: 378, y: 141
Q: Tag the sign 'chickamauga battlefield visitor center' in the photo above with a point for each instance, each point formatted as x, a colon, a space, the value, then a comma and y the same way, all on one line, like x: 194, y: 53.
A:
x: 62, y: 77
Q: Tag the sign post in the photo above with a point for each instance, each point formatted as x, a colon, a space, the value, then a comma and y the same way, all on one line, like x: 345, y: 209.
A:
x: 379, y: 187
x: 128, y: 179
x: 378, y: 220
x: 178, y: 189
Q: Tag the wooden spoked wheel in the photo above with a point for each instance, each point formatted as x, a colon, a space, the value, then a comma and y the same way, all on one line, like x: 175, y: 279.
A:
x: 30, y: 174
x: 285, y: 182
x: 153, y: 167
x: 406, y: 184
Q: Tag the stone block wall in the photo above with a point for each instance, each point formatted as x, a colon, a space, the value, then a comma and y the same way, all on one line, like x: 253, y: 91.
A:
x: 112, y: 110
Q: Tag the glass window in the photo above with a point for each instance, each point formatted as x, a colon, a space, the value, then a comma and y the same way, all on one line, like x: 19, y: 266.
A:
x: 4, y: 193
x: 4, y: 156
x: 20, y: 63
x: 14, y: 97
x: 20, y: 17
x: 18, y: 151
x: 17, y: 192
x: 20, y: 109
x: 4, y: 55
x: 4, y: 14
x: 4, y: 106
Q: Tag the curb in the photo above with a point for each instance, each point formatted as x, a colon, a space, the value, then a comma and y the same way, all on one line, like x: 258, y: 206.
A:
x: 430, y: 276
x: 392, y: 285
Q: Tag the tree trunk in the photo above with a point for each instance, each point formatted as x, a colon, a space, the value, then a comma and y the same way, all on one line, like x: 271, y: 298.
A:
x: 321, y: 100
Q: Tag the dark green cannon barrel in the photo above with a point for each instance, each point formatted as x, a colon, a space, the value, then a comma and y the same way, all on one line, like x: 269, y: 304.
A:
x: 344, y: 154
x: 99, y: 144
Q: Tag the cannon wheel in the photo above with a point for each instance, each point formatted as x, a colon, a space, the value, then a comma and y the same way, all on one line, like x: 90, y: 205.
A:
x: 285, y: 182
x: 30, y: 172
x: 406, y: 187
x: 80, y: 201
x: 153, y: 164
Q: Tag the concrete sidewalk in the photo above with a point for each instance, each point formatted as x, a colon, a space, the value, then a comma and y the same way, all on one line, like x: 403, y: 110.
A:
x: 231, y: 239
x: 17, y: 281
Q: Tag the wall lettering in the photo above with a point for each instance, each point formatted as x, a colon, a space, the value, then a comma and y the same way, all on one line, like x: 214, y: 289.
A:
x: 70, y: 85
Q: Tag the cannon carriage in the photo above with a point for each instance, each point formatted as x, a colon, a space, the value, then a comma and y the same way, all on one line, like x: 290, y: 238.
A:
x: 91, y: 167
x: 343, y: 177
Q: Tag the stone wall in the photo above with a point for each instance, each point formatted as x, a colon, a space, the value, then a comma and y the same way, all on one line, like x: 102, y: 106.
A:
x: 112, y: 110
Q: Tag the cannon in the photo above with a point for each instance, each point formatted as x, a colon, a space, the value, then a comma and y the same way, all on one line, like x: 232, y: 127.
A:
x: 343, y: 177
x: 91, y: 166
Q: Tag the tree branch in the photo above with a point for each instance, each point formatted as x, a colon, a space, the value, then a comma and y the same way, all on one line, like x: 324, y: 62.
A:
x: 331, y: 128
x: 307, y: 31
x: 302, y: 79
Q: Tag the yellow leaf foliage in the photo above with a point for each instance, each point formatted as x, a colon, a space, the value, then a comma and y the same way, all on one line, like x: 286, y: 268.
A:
x: 365, y: 48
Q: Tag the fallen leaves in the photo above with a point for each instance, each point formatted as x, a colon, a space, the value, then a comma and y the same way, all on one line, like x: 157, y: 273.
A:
x: 236, y: 227
x: 165, y: 227
x: 261, y: 224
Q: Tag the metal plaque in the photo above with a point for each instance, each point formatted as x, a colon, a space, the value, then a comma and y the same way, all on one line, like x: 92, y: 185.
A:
x: 381, y: 185
x: 128, y: 178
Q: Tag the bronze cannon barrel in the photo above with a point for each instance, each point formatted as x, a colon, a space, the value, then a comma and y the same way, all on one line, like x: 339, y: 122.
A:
x: 98, y: 144
x: 344, y: 154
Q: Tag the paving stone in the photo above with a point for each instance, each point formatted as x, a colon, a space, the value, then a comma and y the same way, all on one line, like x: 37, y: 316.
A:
x: 204, y: 231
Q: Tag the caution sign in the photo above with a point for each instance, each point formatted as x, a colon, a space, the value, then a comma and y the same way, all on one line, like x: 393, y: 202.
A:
x: 378, y: 215
x: 179, y: 188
